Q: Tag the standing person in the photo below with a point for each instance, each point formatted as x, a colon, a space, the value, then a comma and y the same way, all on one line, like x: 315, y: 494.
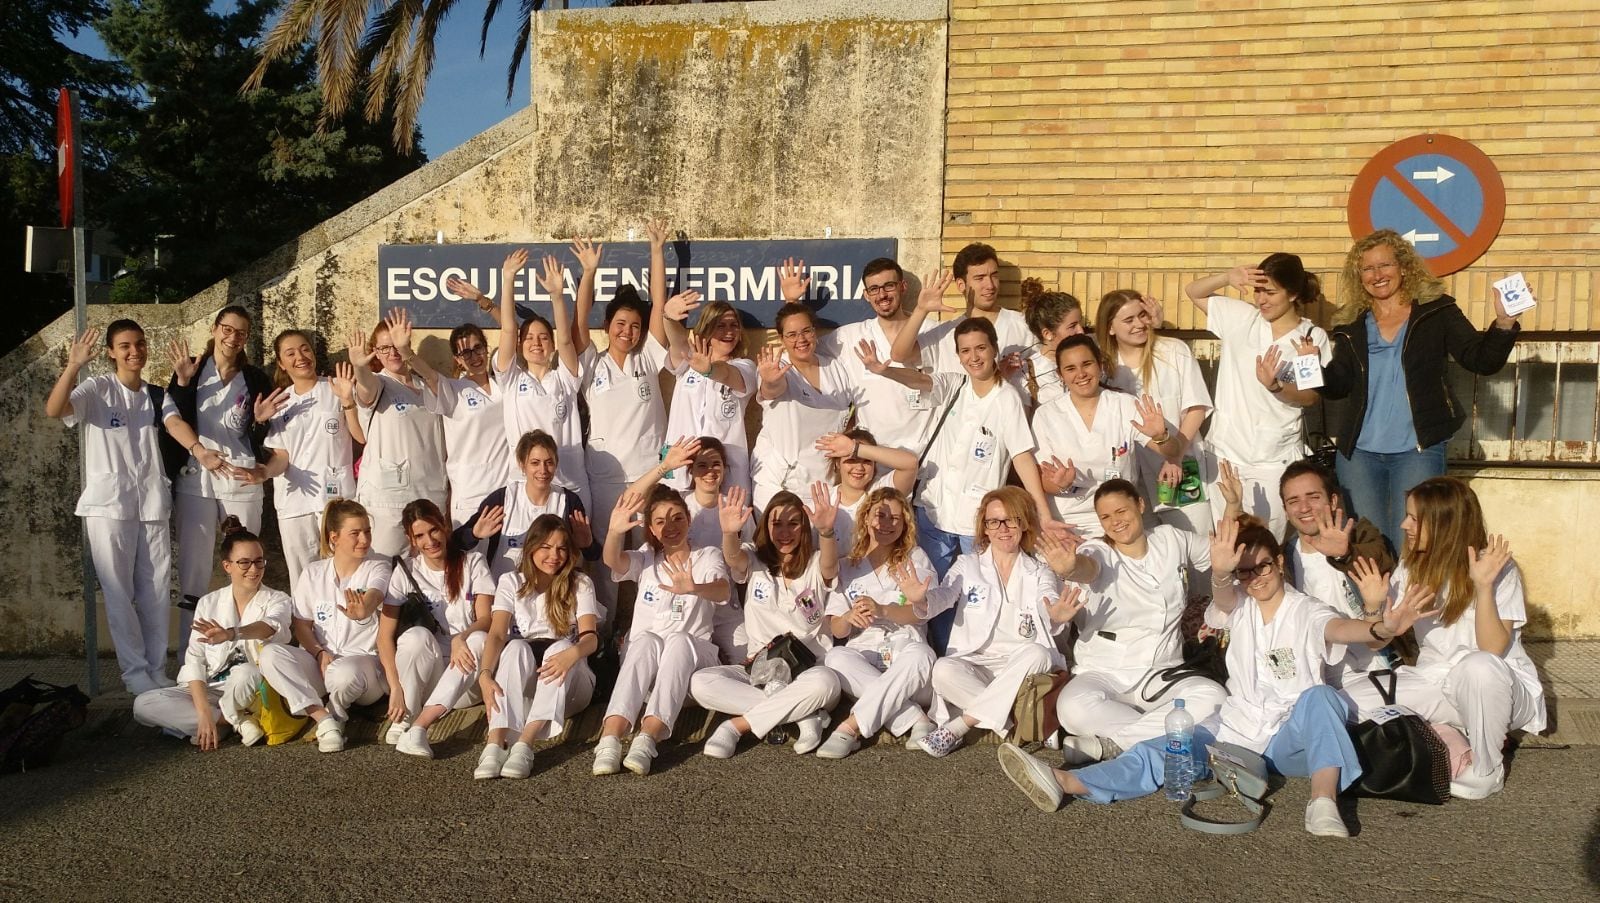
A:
x: 881, y: 612
x: 336, y: 604
x: 1472, y: 672
x: 984, y: 430
x: 314, y: 432
x: 976, y: 271
x: 431, y: 672
x: 477, y: 458
x: 504, y: 516
x: 901, y: 417
x: 1090, y: 435
x: 670, y: 637
x: 858, y: 466
x: 786, y: 596
x: 1051, y: 317
x: 1393, y: 332
x: 537, y: 367
x: 1009, y: 608
x: 218, y: 679
x: 217, y: 407
x: 803, y: 395
x: 126, y: 497
x: 1277, y: 706
x: 404, y: 456
x: 534, y: 670
x: 1139, y: 361
x: 1258, y: 425
x: 1127, y: 661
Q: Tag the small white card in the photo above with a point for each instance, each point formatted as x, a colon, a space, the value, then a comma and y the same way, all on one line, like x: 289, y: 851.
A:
x: 1307, y: 371
x: 1515, y: 295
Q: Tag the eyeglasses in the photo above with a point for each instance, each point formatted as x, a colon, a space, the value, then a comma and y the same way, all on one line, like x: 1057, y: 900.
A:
x: 384, y: 349
x: 228, y: 332
x: 1000, y: 523
x: 810, y: 332
x: 474, y: 351
x: 1245, y: 575
x: 246, y: 564
x: 1379, y: 267
x: 872, y: 291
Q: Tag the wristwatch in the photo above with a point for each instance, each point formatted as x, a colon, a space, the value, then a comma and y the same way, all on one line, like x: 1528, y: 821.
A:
x: 1276, y: 387
x: 1340, y: 561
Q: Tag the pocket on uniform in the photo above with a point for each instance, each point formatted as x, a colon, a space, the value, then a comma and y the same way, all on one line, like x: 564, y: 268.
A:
x: 392, y: 476
x: 103, y: 490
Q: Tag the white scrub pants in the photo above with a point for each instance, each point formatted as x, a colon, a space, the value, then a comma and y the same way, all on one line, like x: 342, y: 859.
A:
x: 727, y: 689
x: 426, y: 676
x: 655, y: 676
x: 197, y: 519
x: 605, y: 499
x: 300, y: 535
x: 173, y: 707
x: 388, y: 537
x: 527, y: 698
x: 883, y: 692
x: 1480, y: 695
x: 133, y: 561
x: 985, y: 685
x: 1260, y: 497
x: 350, y: 680
x: 1113, y: 705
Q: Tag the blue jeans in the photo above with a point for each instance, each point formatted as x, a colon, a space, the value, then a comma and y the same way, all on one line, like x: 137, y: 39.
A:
x: 941, y: 549
x: 1315, y: 737
x: 1377, y: 484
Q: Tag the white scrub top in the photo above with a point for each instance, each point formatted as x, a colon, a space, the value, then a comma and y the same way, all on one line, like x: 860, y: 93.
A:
x: 528, y: 618
x: 896, y: 416
x: 775, y: 605
x: 701, y: 406
x: 1104, y: 450
x: 477, y: 459
x: 223, y: 415
x: 312, y: 430
x: 206, y: 661
x: 1177, y: 383
x: 973, y: 451
x: 627, y: 422
x: 661, y: 611
x: 1134, y: 608
x: 319, y: 596
x: 549, y: 404
x: 859, y: 579
x: 1011, y: 328
x: 785, y: 455
x: 1270, y: 665
x: 404, y: 456
x: 520, y: 513
x: 454, y: 614
x: 1250, y: 425
x: 124, y: 477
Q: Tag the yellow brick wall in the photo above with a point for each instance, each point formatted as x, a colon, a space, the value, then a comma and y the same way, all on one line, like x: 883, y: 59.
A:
x: 1139, y: 143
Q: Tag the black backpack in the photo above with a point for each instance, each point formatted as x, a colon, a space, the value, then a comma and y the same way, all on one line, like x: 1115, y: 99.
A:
x: 34, y: 717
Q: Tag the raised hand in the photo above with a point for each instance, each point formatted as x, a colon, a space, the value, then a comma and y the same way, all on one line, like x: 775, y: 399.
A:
x: 464, y: 289
x: 1056, y: 477
x: 657, y: 231
x: 1247, y: 278
x: 1334, y: 531
x: 268, y: 406
x: 399, y: 323
x: 552, y: 279
x: 1154, y: 309
x: 905, y: 579
x: 868, y: 353
x: 627, y: 509
x: 1152, y: 421
x: 356, y: 607
x: 835, y: 445
x: 681, y: 453
x: 1229, y: 484
x: 1503, y: 319
x: 1411, y: 608
x: 678, y: 576
x: 344, y: 382
x: 771, y: 365
x: 1304, y: 344
x: 582, y: 530
x: 824, y: 513
x: 1371, y: 583
x: 931, y: 298
x: 515, y: 262
x: 81, y: 351
x: 358, y: 351
x: 681, y: 305
x: 732, y: 512
x: 588, y: 254
x: 1066, y: 606
x: 700, y: 359
x: 184, y: 366
x: 1226, y: 550
x: 489, y: 522
x: 792, y: 280
x: 1267, y: 367
x: 1485, y: 566
x: 1010, y: 364
x: 1060, y: 554
x: 212, y: 632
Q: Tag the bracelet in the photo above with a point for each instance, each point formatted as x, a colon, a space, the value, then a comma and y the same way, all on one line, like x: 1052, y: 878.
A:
x: 1373, y: 629
x: 827, y: 534
x: 1276, y: 387
x: 347, y: 407
x: 1164, y: 438
x: 1227, y: 579
x: 707, y: 371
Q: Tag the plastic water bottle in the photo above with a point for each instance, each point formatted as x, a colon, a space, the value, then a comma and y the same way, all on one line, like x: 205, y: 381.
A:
x: 1179, y: 752
x: 772, y: 675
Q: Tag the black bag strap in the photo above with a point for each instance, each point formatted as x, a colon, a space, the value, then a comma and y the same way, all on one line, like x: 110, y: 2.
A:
x: 1388, y: 695
x: 399, y: 561
x: 943, y: 416
x: 366, y: 431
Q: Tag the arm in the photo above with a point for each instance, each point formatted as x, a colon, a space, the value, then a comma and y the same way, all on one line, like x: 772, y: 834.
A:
x: 305, y: 635
x: 679, y: 341
x: 1061, y: 556
x: 699, y: 357
x: 360, y: 355
x: 1225, y: 554
x: 1493, y: 632
x: 680, y: 580
x: 901, y: 462
x: 79, y: 353
x: 669, y: 331
x: 589, y: 256
x: 1151, y: 422
x: 506, y: 354
x: 400, y: 334
x: 907, y: 376
x: 1231, y: 489
x: 344, y: 388
x: 1397, y: 619
x: 615, y: 557
x: 1243, y: 278
x: 1483, y: 353
x: 906, y: 348
x: 388, y: 621
x: 493, y: 644
x: 1027, y: 467
x: 824, y: 514
x: 1267, y: 368
x: 680, y: 454
x: 554, y: 284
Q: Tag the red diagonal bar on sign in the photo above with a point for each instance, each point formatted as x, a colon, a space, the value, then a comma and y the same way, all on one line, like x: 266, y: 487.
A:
x: 1427, y: 207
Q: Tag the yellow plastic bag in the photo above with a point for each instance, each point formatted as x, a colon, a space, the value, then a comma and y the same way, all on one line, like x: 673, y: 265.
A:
x: 280, y: 726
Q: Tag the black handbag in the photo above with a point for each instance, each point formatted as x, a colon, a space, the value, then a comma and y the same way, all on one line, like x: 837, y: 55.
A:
x: 788, y: 649
x: 1402, y: 757
x: 417, y: 609
x: 1206, y: 658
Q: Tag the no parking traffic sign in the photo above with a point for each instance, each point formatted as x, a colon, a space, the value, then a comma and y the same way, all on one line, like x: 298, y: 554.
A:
x: 1442, y: 193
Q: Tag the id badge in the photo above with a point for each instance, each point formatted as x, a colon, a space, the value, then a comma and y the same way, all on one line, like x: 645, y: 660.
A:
x: 806, y: 602
x: 330, y: 485
x: 1281, y: 662
x: 1307, y: 371
x: 677, y: 608
x: 918, y: 401
x: 886, y: 652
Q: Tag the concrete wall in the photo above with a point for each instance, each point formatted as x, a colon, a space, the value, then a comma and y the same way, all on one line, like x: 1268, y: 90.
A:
x: 759, y: 120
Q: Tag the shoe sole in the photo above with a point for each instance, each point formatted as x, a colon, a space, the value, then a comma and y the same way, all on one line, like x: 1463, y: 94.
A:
x: 1013, y: 763
x: 419, y: 753
x: 834, y: 757
x: 639, y: 769
x: 485, y: 777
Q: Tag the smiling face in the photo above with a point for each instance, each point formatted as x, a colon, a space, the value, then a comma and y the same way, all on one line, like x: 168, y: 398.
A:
x: 551, y: 555
x: 538, y: 343
x: 229, y: 334
x: 886, y: 292
x: 472, y: 355
x: 976, y: 354
x: 1080, y: 372
x: 297, y: 358
x: 785, y: 526
x: 725, y: 334
x: 707, y: 470
x: 857, y: 473
x: 539, y: 467
x: 1121, y: 516
x: 1380, y: 273
x: 128, y: 351
x: 624, y: 330
x: 385, y: 352
x: 887, y: 520
x: 352, y: 538
x: 1001, y: 528
x: 245, y: 565
x: 1273, y: 301
x: 1130, y: 325
x: 1259, y: 573
x: 981, y: 285
x: 427, y: 539
x: 1305, y: 501
x: 799, y: 336
x: 669, y: 524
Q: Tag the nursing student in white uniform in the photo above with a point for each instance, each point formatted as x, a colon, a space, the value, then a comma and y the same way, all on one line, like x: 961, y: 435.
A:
x: 1138, y: 361
x: 803, y: 395
x: 1257, y: 424
x: 1472, y: 671
x: 976, y: 272
x: 217, y: 681
x: 217, y: 407
x: 670, y: 637
x: 900, y: 417
x: 1051, y: 317
x: 984, y: 431
x: 534, y: 671
x: 1278, y: 705
x: 1009, y: 607
x: 336, y: 602
x: 126, y: 498
x: 881, y: 612
x: 498, y: 526
x: 1130, y: 630
x: 1092, y: 434
x: 536, y: 367
x: 786, y: 594
x: 314, y: 431
x: 858, y: 465
x: 431, y: 672
x: 404, y: 456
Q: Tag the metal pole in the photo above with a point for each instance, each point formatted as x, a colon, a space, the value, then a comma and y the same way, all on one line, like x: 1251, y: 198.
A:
x: 80, y: 309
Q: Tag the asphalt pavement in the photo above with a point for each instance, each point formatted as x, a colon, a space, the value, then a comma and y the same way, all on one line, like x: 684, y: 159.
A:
x: 126, y: 813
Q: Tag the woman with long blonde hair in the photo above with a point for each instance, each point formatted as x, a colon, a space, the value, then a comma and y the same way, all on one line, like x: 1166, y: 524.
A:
x: 1472, y: 671
x: 1394, y: 331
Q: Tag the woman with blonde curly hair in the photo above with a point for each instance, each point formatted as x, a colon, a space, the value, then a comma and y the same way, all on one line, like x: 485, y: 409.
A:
x: 1394, y: 329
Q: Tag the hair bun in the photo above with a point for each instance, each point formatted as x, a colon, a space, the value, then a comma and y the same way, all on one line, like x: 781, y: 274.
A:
x: 1032, y: 288
x: 231, y: 525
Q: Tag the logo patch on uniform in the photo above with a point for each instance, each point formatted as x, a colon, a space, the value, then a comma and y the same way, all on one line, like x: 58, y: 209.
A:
x: 473, y: 401
x: 760, y: 591
x: 115, y: 421
x: 561, y: 410
x: 730, y: 409
x: 331, y: 426
x: 644, y: 392
x: 1026, y: 628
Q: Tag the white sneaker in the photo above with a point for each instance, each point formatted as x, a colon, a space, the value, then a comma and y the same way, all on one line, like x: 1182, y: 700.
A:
x: 414, y: 742
x: 159, y: 678
x: 722, y: 742
x: 840, y: 744
x: 1322, y: 819
x: 397, y: 729
x: 1032, y: 777
x: 640, y: 753
x: 1076, y: 750
x: 810, y: 733
x: 608, y: 756
x: 1471, y: 786
x: 490, y: 762
x: 519, y: 762
x: 250, y: 732
x: 330, y: 735
x: 918, y: 731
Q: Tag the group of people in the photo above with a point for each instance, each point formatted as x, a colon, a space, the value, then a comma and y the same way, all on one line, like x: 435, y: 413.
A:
x: 929, y: 515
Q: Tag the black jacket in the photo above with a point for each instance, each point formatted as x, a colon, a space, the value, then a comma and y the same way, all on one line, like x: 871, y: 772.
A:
x: 257, y: 384
x: 1436, y: 329
x: 497, y: 499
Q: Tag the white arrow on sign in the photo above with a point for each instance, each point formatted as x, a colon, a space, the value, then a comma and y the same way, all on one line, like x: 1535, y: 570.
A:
x: 1438, y: 175
x: 1414, y: 236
